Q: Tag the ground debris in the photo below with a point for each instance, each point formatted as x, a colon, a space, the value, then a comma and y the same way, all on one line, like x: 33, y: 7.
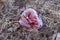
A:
x: 10, y: 11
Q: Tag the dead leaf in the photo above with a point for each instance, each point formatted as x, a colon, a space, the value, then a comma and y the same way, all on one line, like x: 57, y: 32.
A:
x: 1, y: 5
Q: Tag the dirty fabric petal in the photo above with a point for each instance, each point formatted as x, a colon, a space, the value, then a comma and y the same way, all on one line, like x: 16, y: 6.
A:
x: 24, y: 24
x: 29, y: 18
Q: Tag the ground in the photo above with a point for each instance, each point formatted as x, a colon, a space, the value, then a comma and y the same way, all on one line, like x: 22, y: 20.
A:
x: 10, y: 11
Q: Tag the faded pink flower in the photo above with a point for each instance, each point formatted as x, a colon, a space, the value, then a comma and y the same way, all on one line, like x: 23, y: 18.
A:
x: 30, y: 19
